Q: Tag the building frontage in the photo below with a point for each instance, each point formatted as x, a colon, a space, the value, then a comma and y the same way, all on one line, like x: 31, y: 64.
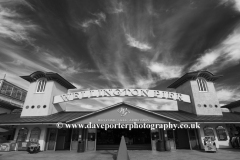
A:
x: 45, y: 107
x: 12, y: 99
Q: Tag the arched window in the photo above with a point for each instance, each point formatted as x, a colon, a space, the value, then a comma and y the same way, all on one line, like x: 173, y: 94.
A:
x: 35, y: 134
x: 22, y: 135
x: 208, y: 131
x: 221, y: 133
x: 202, y: 84
x: 41, y: 85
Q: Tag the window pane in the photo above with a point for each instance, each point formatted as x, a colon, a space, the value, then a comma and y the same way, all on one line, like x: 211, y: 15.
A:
x: 221, y: 133
x: 4, y: 88
x: 23, y: 96
x: 14, y: 93
x: 202, y: 85
x: 19, y: 94
x: 41, y: 86
x: 208, y: 131
x: 9, y: 90
x: 35, y: 134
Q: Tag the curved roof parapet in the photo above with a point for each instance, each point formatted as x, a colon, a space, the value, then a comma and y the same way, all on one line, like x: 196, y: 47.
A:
x: 50, y: 76
x: 192, y: 76
x: 232, y: 105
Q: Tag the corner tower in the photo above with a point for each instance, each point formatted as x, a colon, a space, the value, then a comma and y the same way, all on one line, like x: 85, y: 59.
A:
x: 43, y: 87
x: 200, y: 86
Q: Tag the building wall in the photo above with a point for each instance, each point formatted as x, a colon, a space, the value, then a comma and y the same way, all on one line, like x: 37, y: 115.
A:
x: 42, y: 139
x: 219, y: 144
x: 186, y: 89
x: 202, y: 103
x: 34, y: 99
x: 57, y: 90
x: 208, y: 98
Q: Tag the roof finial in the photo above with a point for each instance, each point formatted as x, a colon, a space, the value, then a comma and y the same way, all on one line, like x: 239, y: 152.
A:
x: 4, y: 76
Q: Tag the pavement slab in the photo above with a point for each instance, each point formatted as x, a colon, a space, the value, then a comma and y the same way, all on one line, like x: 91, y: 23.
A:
x: 221, y: 154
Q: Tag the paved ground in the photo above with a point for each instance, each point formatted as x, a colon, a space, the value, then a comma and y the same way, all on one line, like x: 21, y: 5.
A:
x: 223, y: 154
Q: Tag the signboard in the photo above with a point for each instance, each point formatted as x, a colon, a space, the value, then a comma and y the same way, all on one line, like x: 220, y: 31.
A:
x: 121, y: 93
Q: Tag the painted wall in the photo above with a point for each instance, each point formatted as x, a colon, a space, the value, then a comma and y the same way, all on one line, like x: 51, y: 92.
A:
x: 40, y: 99
x: 203, y: 103
x: 42, y: 139
x: 219, y: 144
x: 186, y: 89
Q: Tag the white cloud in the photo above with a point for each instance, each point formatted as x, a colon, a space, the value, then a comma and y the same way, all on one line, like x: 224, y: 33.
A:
x: 236, y: 3
x: 116, y: 7
x: 100, y: 17
x: 14, y: 27
x: 206, y: 60
x: 165, y: 71
x: 228, y: 95
x: 228, y: 52
x: 133, y: 42
x: 63, y: 64
x: 145, y: 83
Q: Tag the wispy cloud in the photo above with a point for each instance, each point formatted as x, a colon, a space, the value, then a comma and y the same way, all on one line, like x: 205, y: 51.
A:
x: 225, y: 54
x: 228, y: 95
x: 100, y: 17
x: 133, y: 42
x: 14, y: 26
x: 116, y: 7
x: 165, y: 71
x: 64, y: 64
x: 206, y: 60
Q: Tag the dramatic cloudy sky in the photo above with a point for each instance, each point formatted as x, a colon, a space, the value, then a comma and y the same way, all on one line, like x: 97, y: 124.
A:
x: 122, y: 44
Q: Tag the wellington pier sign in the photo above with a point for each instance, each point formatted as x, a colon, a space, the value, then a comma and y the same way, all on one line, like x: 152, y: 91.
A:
x: 121, y: 93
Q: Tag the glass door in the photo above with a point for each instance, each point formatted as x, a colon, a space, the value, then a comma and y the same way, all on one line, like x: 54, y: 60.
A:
x: 52, y: 136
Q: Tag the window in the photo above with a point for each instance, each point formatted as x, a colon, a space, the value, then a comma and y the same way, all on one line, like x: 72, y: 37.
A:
x: 9, y: 90
x: 22, y: 135
x: 4, y: 88
x: 23, y: 96
x: 208, y: 131
x: 202, y: 84
x: 41, y: 85
x: 35, y: 134
x: 14, y: 92
x: 19, y: 94
x: 221, y: 133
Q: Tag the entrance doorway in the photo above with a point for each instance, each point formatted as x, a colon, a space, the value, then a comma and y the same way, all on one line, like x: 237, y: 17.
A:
x: 183, y: 139
x: 63, y: 139
x: 136, y: 139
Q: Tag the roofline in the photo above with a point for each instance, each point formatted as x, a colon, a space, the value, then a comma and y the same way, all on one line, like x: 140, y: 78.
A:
x: 105, y: 108
x: 50, y: 76
x: 30, y: 123
x: 193, y: 75
x: 231, y: 105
